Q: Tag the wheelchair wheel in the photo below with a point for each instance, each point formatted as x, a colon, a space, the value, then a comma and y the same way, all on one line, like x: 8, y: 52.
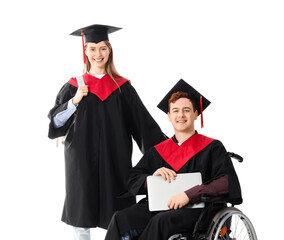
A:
x: 231, y: 224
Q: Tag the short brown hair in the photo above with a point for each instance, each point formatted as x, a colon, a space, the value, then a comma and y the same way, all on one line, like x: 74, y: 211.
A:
x: 178, y: 95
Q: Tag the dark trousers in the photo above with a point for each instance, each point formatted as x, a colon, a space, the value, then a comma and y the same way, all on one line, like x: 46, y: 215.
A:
x: 156, y: 225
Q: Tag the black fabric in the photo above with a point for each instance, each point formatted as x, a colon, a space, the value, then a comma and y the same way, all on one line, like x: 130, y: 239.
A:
x: 156, y: 225
x: 213, y: 162
x: 205, y: 219
x: 95, y: 33
x: 98, y: 151
x: 183, y: 86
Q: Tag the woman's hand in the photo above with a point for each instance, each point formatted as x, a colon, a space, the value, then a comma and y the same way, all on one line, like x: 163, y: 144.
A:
x: 82, y: 91
x: 166, y: 173
x: 178, y: 201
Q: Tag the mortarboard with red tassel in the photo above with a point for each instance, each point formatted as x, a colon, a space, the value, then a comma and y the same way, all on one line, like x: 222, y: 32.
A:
x: 95, y: 34
x: 200, y: 101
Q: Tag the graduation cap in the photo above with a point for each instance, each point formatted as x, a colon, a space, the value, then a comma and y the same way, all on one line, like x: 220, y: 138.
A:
x: 95, y: 34
x: 201, y: 102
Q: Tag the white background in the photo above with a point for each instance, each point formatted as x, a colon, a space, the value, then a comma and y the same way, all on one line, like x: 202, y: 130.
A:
x: 231, y: 51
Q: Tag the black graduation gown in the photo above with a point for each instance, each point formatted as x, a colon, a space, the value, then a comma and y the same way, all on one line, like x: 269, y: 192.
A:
x: 98, y: 147
x: 211, y: 159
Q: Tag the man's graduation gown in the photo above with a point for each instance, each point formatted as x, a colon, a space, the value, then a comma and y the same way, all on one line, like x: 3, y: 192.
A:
x: 197, y: 154
x: 98, y: 147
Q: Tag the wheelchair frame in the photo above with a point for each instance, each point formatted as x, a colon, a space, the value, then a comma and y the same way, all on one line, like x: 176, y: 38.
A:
x: 243, y: 228
x: 227, y: 224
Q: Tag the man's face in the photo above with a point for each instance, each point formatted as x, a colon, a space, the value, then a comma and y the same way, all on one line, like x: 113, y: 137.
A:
x: 182, y: 115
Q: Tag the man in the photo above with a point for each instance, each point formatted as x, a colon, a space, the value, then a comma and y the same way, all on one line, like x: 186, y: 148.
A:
x: 187, y: 151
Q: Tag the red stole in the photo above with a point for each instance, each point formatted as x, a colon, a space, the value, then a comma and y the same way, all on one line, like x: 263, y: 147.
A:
x: 177, y: 156
x: 103, y: 87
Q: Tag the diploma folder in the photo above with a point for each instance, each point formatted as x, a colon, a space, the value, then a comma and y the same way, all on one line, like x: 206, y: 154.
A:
x: 160, y: 191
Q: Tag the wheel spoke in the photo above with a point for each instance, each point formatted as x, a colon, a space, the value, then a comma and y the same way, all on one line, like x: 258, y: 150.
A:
x: 233, y: 225
x: 236, y: 226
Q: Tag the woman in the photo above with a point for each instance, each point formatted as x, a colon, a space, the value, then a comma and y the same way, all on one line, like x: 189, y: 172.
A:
x: 99, y: 118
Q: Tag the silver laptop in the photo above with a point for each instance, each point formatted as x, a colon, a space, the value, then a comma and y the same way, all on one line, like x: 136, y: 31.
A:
x: 160, y: 191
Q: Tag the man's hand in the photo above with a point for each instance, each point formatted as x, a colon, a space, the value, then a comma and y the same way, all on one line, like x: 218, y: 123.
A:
x: 178, y: 201
x: 82, y: 91
x: 166, y: 173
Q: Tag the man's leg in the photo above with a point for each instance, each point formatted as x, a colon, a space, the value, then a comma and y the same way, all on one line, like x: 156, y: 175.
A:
x: 113, y: 232
x: 164, y: 224
x: 129, y: 220
x: 82, y: 233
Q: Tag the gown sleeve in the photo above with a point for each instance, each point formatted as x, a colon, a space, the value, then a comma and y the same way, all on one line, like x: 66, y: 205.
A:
x: 61, y: 104
x: 144, y: 168
x: 144, y: 129
x: 61, y: 118
x: 221, y: 165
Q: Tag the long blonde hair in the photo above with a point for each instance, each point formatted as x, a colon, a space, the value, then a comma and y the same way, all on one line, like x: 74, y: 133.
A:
x: 109, y: 67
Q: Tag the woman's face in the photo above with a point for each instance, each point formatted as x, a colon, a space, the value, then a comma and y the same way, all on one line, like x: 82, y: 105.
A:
x: 97, y: 54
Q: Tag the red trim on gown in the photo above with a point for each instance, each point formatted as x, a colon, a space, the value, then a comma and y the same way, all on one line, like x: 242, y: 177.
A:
x: 103, y: 87
x: 177, y: 156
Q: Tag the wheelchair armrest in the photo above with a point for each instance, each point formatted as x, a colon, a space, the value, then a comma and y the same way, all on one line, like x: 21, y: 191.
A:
x: 213, y: 199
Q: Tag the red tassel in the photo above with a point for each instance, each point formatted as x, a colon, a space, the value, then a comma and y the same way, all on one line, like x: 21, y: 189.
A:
x: 201, y: 112
x: 84, y: 55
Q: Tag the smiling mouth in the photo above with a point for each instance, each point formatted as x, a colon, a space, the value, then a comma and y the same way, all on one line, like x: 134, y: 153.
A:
x: 98, y: 59
x: 181, y: 121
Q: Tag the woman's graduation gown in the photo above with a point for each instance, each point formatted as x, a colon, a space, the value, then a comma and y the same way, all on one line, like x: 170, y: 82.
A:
x: 98, y: 147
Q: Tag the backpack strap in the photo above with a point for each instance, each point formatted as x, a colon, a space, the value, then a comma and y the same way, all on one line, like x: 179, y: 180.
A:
x: 80, y: 81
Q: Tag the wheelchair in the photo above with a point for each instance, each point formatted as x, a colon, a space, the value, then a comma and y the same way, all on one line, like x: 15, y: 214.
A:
x: 218, y: 221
